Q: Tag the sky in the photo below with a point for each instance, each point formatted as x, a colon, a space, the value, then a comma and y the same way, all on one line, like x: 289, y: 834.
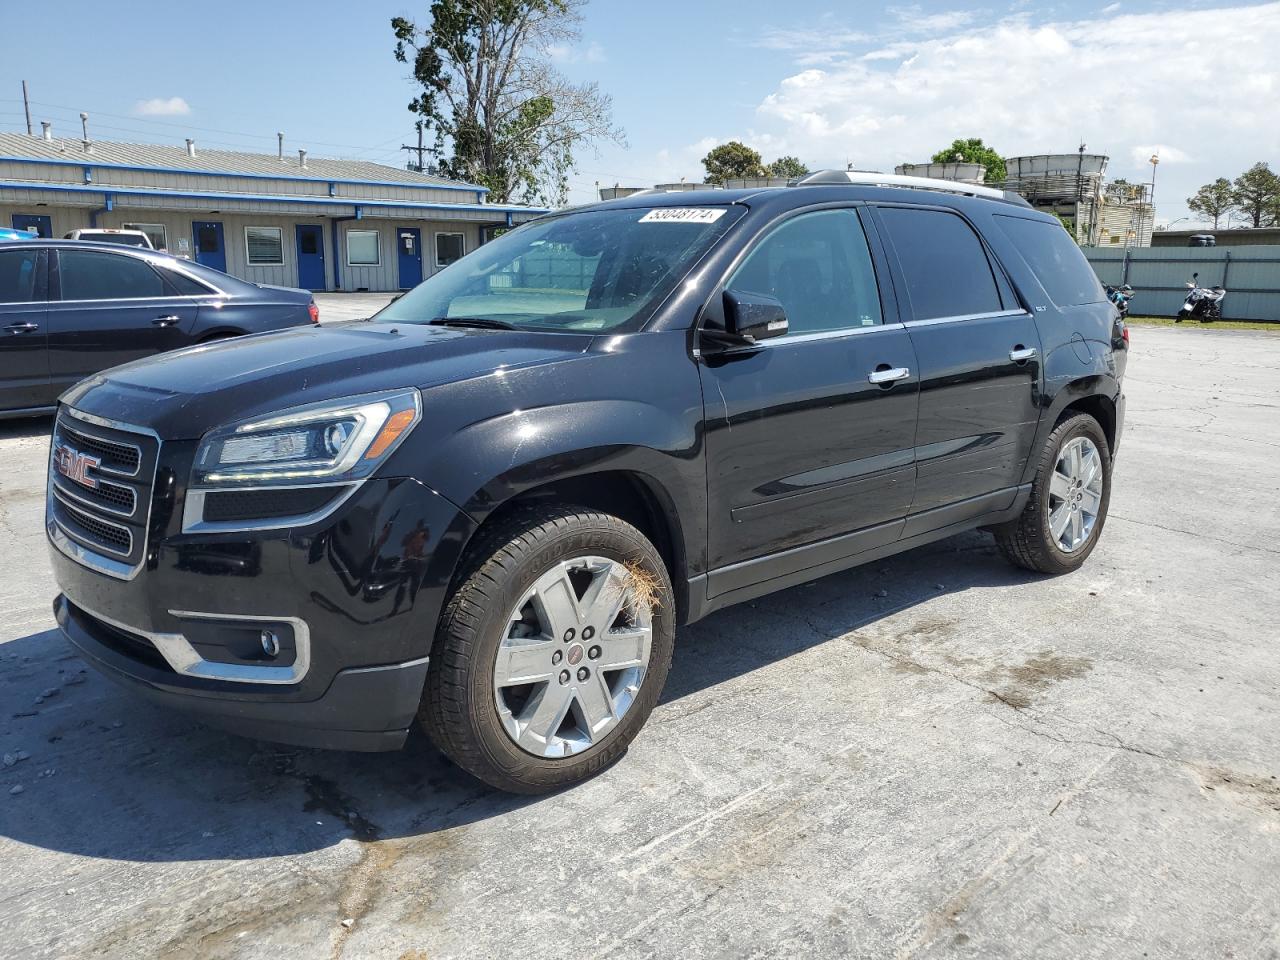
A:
x: 1196, y: 81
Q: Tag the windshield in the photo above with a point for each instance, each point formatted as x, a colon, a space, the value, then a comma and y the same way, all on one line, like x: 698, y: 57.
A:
x: 594, y: 271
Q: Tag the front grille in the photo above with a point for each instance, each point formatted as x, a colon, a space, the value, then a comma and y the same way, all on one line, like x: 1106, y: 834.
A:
x: 117, y: 456
x: 110, y: 536
x: 100, y: 489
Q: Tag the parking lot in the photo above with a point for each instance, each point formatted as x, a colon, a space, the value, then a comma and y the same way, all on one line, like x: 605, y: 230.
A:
x: 935, y: 755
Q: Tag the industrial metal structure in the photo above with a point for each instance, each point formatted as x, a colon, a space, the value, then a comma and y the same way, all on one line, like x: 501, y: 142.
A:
x: 1073, y: 187
x: 301, y: 221
x: 960, y: 172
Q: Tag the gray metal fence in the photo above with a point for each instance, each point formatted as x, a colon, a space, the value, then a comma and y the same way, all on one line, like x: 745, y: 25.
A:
x: 1158, y: 276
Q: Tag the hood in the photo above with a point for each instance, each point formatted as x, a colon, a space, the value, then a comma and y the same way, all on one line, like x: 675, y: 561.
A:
x: 183, y: 394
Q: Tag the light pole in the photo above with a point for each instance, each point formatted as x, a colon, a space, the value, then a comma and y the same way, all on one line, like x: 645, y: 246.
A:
x: 1155, y: 161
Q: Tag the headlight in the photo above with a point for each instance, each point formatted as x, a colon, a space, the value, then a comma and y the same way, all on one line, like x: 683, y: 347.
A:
x: 330, y: 442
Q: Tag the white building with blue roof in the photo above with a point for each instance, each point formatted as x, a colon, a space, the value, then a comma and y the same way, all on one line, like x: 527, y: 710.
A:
x: 289, y: 219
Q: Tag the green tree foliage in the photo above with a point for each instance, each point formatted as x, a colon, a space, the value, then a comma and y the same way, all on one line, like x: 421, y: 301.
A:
x: 974, y: 150
x: 1213, y: 200
x: 501, y: 115
x: 732, y: 161
x: 787, y: 167
x: 1256, y: 194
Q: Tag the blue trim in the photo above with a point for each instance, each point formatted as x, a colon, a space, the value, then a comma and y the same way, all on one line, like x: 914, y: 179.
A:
x: 464, y: 187
x: 88, y: 174
x: 333, y: 189
x: 268, y: 198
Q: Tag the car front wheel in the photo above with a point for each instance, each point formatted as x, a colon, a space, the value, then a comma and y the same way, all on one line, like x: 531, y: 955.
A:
x: 1063, y: 518
x: 552, y: 651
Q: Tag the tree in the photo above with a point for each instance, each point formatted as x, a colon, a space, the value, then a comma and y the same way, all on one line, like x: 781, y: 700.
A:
x: 788, y: 167
x: 501, y: 115
x: 1213, y: 200
x: 1256, y: 194
x: 732, y: 161
x: 974, y: 150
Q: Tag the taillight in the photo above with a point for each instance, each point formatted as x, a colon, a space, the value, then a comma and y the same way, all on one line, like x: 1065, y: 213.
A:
x: 1124, y: 332
x: 314, y: 312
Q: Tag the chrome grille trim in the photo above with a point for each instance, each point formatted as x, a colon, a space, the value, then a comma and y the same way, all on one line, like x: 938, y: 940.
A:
x: 64, y: 501
x: 76, y: 512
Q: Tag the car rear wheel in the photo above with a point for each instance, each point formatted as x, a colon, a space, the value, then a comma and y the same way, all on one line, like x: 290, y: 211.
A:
x: 1063, y: 518
x: 552, y: 651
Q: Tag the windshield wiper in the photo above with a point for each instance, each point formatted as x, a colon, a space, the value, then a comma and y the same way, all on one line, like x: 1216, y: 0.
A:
x: 483, y: 323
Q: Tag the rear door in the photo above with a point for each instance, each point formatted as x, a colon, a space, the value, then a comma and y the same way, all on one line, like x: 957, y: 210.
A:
x: 802, y: 446
x: 310, y: 242
x: 108, y: 308
x: 980, y: 369
x: 24, y: 355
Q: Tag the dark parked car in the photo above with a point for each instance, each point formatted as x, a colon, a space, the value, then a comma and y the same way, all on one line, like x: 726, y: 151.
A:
x: 488, y: 509
x: 69, y: 309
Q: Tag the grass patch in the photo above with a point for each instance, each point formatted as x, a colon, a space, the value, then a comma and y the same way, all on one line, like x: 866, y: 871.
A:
x: 1263, y: 325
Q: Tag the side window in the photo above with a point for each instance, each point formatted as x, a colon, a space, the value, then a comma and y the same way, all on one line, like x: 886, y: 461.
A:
x: 1055, y: 259
x: 18, y: 275
x: 819, y: 267
x: 945, y: 266
x: 186, y: 286
x: 106, y: 276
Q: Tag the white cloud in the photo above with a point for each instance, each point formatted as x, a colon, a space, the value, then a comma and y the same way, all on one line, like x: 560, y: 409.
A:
x: 916, y: 21
x: 162, y: 107
x: 566, y: 53
x: 1029, y: 87
x: 1111, y: 8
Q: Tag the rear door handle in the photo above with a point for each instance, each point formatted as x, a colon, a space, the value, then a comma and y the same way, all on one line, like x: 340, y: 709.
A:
x: 887, y: 374
x: 167, y: 321
x: 1021, y: 354
x: 25, y: 327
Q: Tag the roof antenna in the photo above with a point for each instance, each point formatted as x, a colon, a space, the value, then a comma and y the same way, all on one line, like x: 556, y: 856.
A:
x: 84, y: 128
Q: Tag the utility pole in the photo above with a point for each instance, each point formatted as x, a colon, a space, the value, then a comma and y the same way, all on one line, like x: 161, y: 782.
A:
x: 26, y: 107
x: 419, y: 150
x: 1155, y: 160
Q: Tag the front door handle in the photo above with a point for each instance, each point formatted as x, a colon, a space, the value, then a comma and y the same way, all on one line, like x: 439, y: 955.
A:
x: 1021, y: 354
x: 167, y: 321
x: 887, y: 374
x: 26, y: 327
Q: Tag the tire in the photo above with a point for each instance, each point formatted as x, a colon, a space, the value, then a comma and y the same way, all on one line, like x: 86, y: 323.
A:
x: 1030, y: 541
x: 1182, y: 315
x: 474, y: 720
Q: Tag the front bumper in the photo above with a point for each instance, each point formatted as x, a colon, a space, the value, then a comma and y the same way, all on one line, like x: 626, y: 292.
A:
x: 364, y: 708
x: 354, y: 599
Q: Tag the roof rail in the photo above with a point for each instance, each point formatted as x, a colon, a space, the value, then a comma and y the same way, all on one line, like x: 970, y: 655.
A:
x: 869, y: 178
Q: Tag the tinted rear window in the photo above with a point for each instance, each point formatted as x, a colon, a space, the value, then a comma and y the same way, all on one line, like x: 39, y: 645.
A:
x: 1055, y: 259
x: 944, y: 263
x: 106, y: 276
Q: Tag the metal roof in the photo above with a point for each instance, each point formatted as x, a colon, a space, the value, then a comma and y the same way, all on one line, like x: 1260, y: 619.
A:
x: 68, y: 150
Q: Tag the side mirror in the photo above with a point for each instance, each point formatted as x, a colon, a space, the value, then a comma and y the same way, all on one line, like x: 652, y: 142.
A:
x: 752, y: 317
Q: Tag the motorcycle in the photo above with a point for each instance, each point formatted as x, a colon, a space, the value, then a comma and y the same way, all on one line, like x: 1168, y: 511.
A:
x: 1120, y: 296
x: 1203, y: 303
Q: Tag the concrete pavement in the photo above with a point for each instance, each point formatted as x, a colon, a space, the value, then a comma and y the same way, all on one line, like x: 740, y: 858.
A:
x: 933, y: 756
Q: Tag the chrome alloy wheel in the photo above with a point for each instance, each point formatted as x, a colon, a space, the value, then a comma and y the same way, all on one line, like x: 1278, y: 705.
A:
x: 1075, y: 494
x: 574, y: 657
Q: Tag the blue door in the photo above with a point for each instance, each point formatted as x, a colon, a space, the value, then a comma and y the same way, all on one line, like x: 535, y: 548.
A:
x: 41, y: 225
x: 310, y: 256
x: 210, y: 249
x: 409, y: 245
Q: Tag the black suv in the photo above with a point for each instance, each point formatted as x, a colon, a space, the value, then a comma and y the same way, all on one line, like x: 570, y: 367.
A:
x: 487, y: 510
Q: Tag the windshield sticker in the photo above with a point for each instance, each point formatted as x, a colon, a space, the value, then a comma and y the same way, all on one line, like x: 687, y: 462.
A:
x: 683, y: 215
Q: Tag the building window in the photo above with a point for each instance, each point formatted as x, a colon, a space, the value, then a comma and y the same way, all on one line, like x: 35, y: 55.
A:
x: 363, y: 249
x: 155, y: 233
x: 449, y: 248
x: 265, y: 246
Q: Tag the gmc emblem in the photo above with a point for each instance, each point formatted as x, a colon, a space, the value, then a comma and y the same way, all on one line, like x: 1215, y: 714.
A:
x: 74, y: 465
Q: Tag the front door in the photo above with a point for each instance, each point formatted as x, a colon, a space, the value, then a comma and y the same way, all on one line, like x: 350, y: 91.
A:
x: 210, y: 250
x: 409, y: 245
x: 42, y: 225
x: 809, y: 436
x: 310, y: 238
x: 108, y: 308
x: 24, y: 355
x: 979, y: 363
